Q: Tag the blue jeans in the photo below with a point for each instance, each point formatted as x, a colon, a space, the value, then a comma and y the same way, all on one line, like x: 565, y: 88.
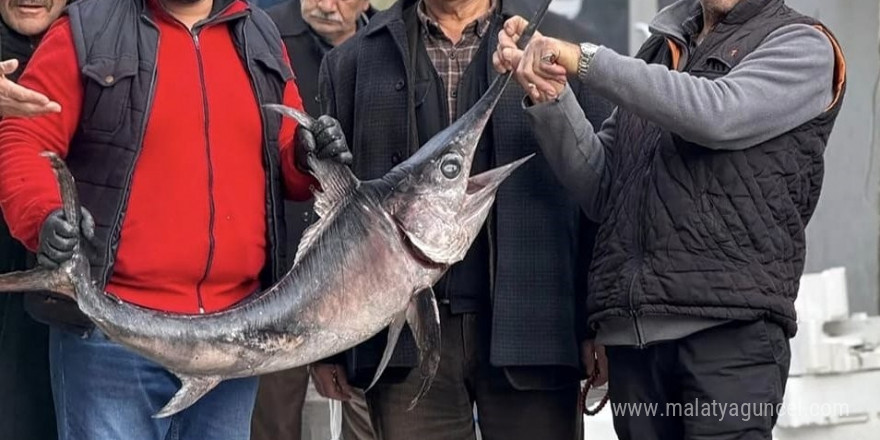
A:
x: 104, y: 391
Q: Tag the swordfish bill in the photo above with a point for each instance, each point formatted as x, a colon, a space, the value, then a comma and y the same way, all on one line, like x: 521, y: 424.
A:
x: 367, y: 264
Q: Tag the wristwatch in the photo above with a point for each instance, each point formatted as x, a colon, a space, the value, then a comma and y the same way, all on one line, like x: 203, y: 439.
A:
x: 588, y: 52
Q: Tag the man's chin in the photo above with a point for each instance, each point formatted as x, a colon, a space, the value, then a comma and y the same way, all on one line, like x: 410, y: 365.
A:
x: 328, y: 33
x: 32, y: 24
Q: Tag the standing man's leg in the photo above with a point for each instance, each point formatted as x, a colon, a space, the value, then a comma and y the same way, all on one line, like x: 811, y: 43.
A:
x: 280, y: 400
x: 509, y: 414
x: 723, y: 383
x: 735, y: 375
x: 643, y: 385
x: 225, y: 413
x: 506, y: 413
x: 356, y: 423
x: 103, y: 391
x: 445, y: 412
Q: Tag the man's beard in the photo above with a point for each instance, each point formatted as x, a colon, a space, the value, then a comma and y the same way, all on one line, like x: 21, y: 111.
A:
x: 718, y: 8
x: 182, y: 2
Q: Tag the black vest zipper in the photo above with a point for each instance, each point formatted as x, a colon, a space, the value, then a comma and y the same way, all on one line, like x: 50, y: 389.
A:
x: 271, y: 170
x: 642, y: 244
x: 110, y: 255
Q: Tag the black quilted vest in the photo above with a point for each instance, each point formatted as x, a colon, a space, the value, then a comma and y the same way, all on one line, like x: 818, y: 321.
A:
x: 116, y: 44
x: 697, y: 232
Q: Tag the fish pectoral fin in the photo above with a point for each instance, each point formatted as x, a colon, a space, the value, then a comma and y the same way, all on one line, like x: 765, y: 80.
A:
x: 393, y: 334
x: 192, y: 389
x: 424, y: 321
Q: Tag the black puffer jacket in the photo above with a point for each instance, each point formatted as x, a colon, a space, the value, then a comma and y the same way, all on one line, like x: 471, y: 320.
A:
x: 687, y: 230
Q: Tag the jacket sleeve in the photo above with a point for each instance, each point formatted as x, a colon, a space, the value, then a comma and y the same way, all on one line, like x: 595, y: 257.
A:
x: 296, y: 183
x: 577, y: 153
x: 597, y: 110
x: 785, y: 82
x: 28, y: 189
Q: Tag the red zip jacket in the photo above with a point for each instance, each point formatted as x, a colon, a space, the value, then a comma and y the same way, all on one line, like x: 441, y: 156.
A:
x: 194, y: 233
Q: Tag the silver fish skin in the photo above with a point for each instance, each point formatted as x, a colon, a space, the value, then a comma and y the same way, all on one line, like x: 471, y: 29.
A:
x: 366, y: 265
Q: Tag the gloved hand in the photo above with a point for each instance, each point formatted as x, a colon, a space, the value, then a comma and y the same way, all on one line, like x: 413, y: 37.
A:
x: 328, y: 142
x: 58, y: 237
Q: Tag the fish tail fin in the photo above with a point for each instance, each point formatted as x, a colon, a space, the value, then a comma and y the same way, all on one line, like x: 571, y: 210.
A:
x: 38, y: 279
x: 192, y: 389
x: 67, y: 187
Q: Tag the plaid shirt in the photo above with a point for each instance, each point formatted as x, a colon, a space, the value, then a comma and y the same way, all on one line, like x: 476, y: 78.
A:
x: 452, y: 59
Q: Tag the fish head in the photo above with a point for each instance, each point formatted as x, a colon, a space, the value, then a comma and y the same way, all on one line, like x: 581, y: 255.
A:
x: 437, y: 204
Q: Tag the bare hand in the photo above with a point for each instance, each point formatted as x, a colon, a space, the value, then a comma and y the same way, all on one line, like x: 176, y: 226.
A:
x: 507, y: 56
x: 593, y: 357
x: 542, y: 68
x: 16, y: 100
x: 330, y: 381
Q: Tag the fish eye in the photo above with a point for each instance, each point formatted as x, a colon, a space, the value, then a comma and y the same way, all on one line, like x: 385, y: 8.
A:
x: 450, y: 166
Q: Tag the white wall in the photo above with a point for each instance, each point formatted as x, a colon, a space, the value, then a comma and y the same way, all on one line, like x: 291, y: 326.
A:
x: 845, y: 228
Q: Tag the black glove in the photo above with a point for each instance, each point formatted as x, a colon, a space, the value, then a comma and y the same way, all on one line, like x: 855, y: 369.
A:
x: 327, y: 142
x: 58, y: 237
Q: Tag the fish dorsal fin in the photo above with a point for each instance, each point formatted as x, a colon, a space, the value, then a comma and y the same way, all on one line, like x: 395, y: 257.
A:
x: 337, y: 182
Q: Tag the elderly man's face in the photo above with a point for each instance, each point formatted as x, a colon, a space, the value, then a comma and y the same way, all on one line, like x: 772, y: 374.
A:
x: 30, y: 17
x: 333, y: 19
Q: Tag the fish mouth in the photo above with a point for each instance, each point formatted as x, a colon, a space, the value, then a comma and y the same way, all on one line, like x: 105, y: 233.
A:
x: 481, y: 189
x: 488, y: 182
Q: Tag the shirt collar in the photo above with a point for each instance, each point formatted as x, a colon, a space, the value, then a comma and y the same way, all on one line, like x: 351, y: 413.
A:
x: 479, y: 26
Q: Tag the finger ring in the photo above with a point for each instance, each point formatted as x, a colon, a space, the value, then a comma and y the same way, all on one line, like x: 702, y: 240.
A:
x: 531, y: 86
x: 549, y: 58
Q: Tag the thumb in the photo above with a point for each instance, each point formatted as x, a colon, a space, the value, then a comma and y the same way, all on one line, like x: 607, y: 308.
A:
x: 87, y: 224
x: 515, y: 26
x: 8, y: 66
x: 305, y: 140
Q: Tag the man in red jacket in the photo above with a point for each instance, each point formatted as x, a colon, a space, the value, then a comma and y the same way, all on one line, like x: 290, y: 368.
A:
x: 181, y: 173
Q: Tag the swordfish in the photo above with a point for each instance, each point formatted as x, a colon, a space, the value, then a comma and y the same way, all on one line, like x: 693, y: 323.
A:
x: 367, y: 264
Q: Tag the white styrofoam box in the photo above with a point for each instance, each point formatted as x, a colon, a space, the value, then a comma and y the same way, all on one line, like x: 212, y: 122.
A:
x: 823, y: 296
x: 808, y: 356
x: 831, y: 406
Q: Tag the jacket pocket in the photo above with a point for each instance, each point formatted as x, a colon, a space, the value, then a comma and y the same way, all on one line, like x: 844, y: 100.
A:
x: 714, y: 67
x: 275, y: 67
x: 107, y: 94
